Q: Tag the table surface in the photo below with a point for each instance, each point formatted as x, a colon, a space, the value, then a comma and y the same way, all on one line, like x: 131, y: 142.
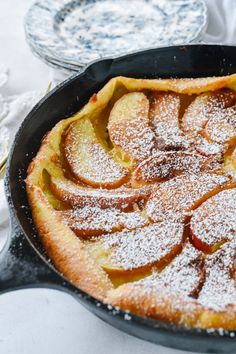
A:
x: 40, y: 320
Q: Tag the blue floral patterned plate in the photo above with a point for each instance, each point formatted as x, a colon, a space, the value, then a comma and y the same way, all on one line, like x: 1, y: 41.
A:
x: 72, y: 33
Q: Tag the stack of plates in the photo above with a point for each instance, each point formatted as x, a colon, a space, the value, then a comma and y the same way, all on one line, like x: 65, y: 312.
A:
x: 70, y: 34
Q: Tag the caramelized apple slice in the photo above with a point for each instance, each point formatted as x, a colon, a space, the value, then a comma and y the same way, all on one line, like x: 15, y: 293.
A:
x: 164, y: 117
x: 79, y: 196
x: 166, y: 165
x: 94, y: 221
x: 221, y: 127
x: 175, y: 198
x: 214, y: 221
x: 139, y: 249
x: 172, y: 302
x: 88, y: 159
x: 219, y: 290
x: 166, y: 295
x: 129, y: 128
x: 207, y: 148
x: 184, y: 276
x: 200, y: 110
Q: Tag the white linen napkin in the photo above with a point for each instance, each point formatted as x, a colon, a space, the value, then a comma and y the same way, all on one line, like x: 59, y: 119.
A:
x: 221, y: 22
x: 221, y: 29
x: 14, y: 110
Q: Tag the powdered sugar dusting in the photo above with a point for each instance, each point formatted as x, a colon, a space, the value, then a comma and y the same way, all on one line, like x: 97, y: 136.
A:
x: 215, y: 220
x: 88, y: 159
x: 207, y: 148
x: 221, y: 126
x: 143, y: 143
x: 94, y: 220
x: 80, y: 196
x: 129, y: 126
x: 164, y: 117
x: 169, y: 164
x: 184, y: 276
x: 219, y: 290
x: 129, y: 250
x: 176, y: 197
x: 205, y: 105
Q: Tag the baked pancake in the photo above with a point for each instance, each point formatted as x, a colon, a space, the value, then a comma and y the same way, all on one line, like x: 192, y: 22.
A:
x: 134, y: 198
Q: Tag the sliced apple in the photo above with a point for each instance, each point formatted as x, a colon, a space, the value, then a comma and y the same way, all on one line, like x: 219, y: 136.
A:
x: 78, y: 196
x: 185, y: 275
x: 207, y: 148
x: 165, y: 106
x: 88, y: 159
x: 199, y: 111
x: 94, y: 221
x: 214, y: 307
x: 164, y: 117
x: 129, y: 127
x: 138, y: 250
x: 176, y: 198
x: 219, y: 291
x: 214, y: 221
x: 166, y: 165
x: 221, y: 127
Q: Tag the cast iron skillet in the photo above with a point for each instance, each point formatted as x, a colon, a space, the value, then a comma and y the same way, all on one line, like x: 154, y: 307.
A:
x: 23, y: 261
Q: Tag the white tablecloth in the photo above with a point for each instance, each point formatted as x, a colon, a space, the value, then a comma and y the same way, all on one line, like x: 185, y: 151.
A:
x: 46, y: 321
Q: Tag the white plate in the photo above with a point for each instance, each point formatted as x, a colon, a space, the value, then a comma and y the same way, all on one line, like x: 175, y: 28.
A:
x: 71, y: 33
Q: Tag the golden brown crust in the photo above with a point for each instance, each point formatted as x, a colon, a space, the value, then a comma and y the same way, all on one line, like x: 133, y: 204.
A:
x: 141, y: 301
x: 66, y: 250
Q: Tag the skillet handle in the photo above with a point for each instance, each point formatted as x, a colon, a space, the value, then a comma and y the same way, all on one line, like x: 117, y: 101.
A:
x: 21, y: 267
